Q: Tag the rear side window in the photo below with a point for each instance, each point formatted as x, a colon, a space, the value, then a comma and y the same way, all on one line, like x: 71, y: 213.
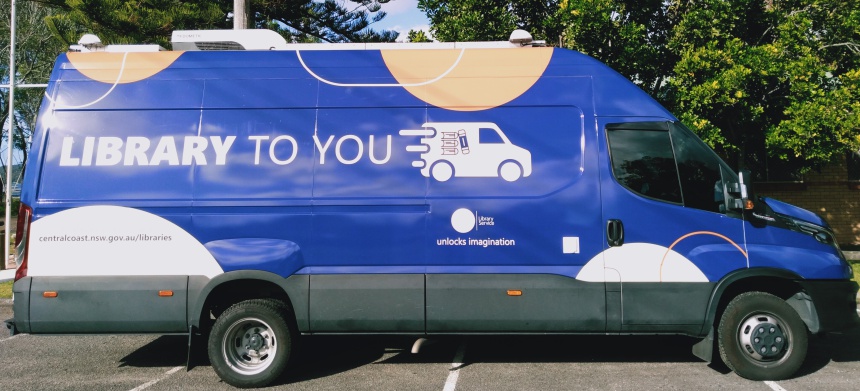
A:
x: 643, y: 161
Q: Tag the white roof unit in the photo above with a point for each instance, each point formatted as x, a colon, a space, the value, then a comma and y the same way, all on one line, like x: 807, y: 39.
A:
x: 227, y: 40
x: 270, y: 40
x: 92, y: 43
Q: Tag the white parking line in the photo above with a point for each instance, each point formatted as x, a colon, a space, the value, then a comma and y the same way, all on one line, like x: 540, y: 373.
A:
x: 162, y: 377
x: 454, y: 374
x: 773, y: 386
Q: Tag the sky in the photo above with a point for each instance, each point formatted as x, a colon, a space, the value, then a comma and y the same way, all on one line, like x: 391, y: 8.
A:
x: 402, y: 16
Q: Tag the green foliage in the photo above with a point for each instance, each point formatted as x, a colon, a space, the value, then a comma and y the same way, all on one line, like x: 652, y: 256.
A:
x: 131, y: 22
x: 856, y: 267
x: 489, y: 20
x: 16, y: 204
x: 468, y: 20
x: 34, y: 56
x: 418, y: 36
x: 748, y: 76
x: 152, y: 21
x: 780, y: 76
x: 629, y: 36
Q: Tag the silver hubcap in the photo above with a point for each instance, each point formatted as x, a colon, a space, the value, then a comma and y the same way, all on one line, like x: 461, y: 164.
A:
x: 249, y: 346
x: 762, y: 337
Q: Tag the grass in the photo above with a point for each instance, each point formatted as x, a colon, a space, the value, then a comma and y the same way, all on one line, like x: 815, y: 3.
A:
x: 856, y: 266
x: 6, y: 290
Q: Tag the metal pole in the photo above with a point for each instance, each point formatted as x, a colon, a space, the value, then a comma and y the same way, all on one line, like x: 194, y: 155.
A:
x: 241, y: 10
x: 10, y: 138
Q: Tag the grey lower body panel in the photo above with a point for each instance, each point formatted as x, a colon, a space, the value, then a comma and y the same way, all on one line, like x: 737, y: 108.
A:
x: 21, y: 305
x: 108, y: 304
x: 665, y: 307
x: 367, y: 303
x: 482, y: 303
x: 455, y: 303
x: 377, y: 303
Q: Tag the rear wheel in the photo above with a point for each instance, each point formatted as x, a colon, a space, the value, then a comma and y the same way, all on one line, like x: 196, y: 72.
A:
x: 251, y: 343
x: 761, y: 337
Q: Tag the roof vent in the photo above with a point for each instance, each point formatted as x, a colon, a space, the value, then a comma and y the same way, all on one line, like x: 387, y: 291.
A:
x: 227, y: 40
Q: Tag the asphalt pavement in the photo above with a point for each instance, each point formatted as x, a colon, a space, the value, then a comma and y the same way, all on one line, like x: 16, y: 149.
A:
x: 546, y: 363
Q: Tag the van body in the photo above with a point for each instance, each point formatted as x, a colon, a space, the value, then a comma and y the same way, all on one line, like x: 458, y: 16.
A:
x: 427, y: 190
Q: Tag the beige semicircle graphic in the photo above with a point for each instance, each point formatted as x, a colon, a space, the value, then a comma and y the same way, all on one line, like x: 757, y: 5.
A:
x: 467, y: 79
x: 121, y: 68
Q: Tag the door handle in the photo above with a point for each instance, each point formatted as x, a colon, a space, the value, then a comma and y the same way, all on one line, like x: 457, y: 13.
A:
x: 614, y: 232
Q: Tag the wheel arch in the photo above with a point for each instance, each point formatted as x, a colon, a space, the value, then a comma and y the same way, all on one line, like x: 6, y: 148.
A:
x: 219, y: 293
x: 778, y: 282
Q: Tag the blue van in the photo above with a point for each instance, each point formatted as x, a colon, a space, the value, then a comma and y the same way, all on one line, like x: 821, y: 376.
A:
x: 472, y: 188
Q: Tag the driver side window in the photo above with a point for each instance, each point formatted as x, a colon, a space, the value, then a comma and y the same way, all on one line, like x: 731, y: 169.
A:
x: 666, y: 162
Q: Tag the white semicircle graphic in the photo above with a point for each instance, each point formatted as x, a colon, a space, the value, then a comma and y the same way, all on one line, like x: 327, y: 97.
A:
x: 112, y: 240
x: 641, y: 262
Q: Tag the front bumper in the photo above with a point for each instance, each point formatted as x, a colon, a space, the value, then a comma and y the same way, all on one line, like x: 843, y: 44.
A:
x: 835, y: 302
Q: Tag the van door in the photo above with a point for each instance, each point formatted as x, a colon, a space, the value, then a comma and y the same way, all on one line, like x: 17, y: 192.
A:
x: 504, y: 252
x: 669, y: 238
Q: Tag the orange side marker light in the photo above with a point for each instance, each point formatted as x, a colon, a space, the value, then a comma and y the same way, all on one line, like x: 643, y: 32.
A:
x: 165, y: 293
x: 49, y: 294
x: 515, y: 292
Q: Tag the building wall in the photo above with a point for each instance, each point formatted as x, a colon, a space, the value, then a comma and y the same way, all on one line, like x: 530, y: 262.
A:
x: 828, y: 193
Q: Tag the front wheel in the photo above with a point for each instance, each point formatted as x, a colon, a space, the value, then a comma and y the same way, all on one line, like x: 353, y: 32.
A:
x: 761, y: 337
x: 251, y: 342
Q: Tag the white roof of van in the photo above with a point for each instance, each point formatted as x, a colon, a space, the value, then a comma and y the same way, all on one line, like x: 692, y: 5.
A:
x: 261, y: 39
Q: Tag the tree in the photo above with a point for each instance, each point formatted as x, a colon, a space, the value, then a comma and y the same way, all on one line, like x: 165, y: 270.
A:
x: 775, y: 76
x: 34, y: 56
x: 489, y: 20
x: 417, y: 36
x: 764, y: 82
x: 152, y: 21
x: 629, y: 36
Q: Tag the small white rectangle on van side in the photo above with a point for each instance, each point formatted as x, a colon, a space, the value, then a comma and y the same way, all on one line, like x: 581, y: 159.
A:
x: 570, y: 245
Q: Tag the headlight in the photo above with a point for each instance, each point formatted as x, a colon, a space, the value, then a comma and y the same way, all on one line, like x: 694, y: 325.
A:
x: 821, y: 234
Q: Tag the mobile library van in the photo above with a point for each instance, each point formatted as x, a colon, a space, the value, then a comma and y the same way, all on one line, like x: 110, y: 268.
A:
x: 254, y: 196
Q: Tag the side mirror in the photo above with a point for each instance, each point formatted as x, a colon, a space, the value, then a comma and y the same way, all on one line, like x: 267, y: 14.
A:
x: 740, y: 193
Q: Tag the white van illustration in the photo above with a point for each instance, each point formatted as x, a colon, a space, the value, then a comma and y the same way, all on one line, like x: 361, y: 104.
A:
x: 468, y: 149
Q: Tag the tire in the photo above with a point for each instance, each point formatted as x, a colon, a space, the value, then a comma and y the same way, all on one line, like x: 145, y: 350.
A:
x: 251, y: 342
x: 442, y: 171
x: 510, y: 171
x: 761, y: 337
